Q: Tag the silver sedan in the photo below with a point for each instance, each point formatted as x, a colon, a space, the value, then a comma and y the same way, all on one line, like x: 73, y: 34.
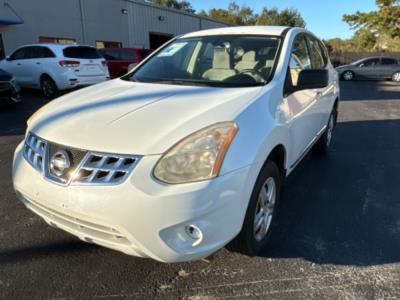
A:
x: 371, y: 68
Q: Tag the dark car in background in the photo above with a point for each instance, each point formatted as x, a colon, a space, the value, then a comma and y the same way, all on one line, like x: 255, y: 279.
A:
x: 9, y: 89
x: 119, y: 59
x: 379, y: 68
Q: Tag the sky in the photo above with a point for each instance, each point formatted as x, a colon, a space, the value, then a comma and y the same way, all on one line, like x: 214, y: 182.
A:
x: 323, y: 18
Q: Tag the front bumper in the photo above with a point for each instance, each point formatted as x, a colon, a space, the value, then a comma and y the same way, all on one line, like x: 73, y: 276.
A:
x: 141, y: 216
x: 10, y: 96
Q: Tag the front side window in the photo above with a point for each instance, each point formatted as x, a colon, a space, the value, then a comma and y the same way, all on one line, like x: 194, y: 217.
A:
x: 369, y: 62
x: 18, y: 54
x: 316, y: 53
x: 299, y: 59
x: 228, y: 60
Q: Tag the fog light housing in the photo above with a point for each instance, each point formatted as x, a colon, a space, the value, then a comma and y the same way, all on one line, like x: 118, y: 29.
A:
x: 194, y: 233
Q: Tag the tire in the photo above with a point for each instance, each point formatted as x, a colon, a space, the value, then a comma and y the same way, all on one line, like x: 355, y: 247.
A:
x: 251, y: 241
x: 396, y: 77
x: 348, y: 75
x: 324, y: 143
x: 48, y: 87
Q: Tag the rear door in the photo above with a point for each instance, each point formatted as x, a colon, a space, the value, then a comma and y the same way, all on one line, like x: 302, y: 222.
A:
x: 387, y: 67
x: 91, y: 63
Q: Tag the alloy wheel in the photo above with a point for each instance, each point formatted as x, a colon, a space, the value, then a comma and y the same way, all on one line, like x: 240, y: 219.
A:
x: 396, y: 77
x: 348, y: 75
x: 264, y: 209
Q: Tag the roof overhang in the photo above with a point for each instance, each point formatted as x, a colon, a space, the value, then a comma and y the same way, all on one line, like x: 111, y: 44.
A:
x: 10, y: 22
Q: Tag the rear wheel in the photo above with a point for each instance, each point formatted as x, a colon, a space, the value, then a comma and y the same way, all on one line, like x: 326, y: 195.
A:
x: 261, y: 212
x: 48, y: 86
x: 348, y: 75
x: 396, y: 77
x: 322, y: 146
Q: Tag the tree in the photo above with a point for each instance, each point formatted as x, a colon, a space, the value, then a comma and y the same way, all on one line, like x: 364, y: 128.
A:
x: 386, y: 20
x: 244, y: 15
x: 233, y: 15
x: 287, y: 17
x: 181, y: 5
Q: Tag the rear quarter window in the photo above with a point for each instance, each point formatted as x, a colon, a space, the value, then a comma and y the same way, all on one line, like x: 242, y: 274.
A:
x: 81, y: 52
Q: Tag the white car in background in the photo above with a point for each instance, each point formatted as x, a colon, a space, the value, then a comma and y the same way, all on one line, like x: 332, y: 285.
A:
x: 54, y: 67
x: 188, y: 151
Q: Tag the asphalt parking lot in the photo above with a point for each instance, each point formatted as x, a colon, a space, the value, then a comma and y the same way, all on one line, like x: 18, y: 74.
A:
x: 338, y: 233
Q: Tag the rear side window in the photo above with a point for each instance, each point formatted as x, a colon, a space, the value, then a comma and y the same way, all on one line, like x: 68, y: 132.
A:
x: 81, y: 52
x: 388, y: 61
x: 110, y: 54
x: 46, y: 52
x: 126, y: 55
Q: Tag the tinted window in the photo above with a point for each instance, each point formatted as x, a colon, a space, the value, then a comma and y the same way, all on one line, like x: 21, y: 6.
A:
x: 81, y: 52
x: 110, y: 54
x: 19, y: 54
x: 317, y: 57
x: 46, y: 52
x: 369, y: 62
x: 388, y: 61
x: 299, y: 59
x: 125, y: 55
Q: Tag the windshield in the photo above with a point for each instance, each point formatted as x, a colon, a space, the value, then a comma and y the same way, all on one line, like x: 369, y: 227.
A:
x: 227, y: 60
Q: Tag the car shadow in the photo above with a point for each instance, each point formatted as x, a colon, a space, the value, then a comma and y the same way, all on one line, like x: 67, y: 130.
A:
x: 344, y: 208
x: 369, y: 90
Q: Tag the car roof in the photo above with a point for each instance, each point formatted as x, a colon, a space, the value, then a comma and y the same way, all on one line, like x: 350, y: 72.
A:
x: 249, y: 30
x: 55, y: 45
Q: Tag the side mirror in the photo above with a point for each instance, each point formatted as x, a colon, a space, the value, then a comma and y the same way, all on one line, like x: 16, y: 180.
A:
x: 361, y: 65
x: 8, y: 58
x: 312, y: 79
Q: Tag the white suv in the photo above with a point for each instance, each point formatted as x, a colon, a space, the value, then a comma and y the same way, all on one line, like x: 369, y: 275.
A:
x: 53, y: 67
x: 186, y: 152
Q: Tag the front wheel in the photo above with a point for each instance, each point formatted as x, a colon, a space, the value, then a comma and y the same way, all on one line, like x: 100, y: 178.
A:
x: 396, y: 77
x: 48, y: 87
x: 261, y: 212
x: 348, y: 75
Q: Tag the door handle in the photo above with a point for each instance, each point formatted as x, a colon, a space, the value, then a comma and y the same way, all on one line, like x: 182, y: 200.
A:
x: 18, y: 64
x: 38, y: 63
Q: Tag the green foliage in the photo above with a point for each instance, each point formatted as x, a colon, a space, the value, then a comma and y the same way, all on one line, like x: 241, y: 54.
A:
x: 385, y: 20
x: 376, y: 30
x: 244, y: 15
x: 181, y: 5
x: 286, y: 17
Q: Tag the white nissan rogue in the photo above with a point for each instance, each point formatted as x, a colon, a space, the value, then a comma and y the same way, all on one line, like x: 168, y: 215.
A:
x: 187, y: 152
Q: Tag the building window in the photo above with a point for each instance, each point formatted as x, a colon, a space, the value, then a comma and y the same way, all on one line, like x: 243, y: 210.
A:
x: 46, y: 39
x: 107, y: 44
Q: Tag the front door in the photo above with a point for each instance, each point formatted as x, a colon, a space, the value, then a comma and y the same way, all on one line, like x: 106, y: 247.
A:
x: 367, y: 69
x: 303, y: 115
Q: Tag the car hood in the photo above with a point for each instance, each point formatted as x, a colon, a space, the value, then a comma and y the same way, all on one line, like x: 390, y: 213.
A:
x: 136, y: 118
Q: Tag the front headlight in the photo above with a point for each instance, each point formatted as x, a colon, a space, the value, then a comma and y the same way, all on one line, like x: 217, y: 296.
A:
x: 198, y: 156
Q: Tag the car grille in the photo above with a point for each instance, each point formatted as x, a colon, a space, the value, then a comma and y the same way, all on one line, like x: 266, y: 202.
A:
x: 84, y: 168
x: 34, y: 151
